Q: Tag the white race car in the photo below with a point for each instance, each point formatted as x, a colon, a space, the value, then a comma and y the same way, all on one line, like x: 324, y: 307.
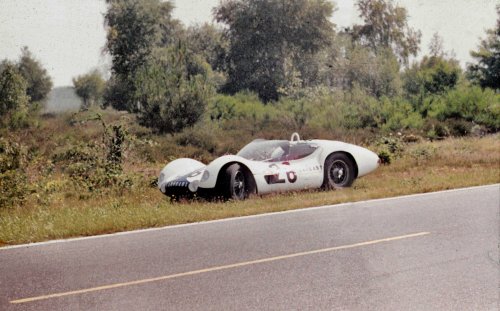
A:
x: 265, y: 166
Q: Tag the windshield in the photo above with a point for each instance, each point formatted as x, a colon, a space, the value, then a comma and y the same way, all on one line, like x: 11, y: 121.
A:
x: 276, y: 150
x: 264, y: 150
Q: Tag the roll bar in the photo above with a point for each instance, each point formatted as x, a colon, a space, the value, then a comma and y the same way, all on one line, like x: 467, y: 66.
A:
x: 295, y: 137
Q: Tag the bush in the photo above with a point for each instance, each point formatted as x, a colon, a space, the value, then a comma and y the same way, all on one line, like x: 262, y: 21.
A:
x: 398, y: 115
x: 89, y: 169
x: 388, y: 148
x: 13, y: 180
x: 97, y: 167
x: 469, y: 103
x: 359, y: 110
x: 434, y: 129
x: 198, y: 136
x: 459, y: 127
x: 245, y: 107
x: 385, y: 157
x: 296, y: 113
x: 344, y: 110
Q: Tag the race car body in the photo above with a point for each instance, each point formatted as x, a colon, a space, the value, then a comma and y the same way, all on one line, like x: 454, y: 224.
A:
x: 266, y: 166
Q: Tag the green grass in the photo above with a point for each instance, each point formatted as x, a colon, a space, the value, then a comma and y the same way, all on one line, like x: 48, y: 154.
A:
x: 423, y: 167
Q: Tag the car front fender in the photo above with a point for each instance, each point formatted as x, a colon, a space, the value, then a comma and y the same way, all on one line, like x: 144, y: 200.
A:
x: 212, y: 170
x: 177, y: 169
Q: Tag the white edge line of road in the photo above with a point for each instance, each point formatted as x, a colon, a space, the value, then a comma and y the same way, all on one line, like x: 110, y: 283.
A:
x: 300, y: 210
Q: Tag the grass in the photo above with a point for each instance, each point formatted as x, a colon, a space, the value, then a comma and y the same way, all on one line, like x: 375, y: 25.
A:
x: 422, y: 167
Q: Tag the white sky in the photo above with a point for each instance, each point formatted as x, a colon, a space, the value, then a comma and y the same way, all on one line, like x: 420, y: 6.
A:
x: 67, y: 36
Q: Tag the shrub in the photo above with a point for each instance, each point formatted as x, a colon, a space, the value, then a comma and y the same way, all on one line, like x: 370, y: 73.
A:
x: 13, y: 181
x: 459, y: 127
x: 245, y: 107
x: 469, y: 103
x: 296, y: 113
x: 346, y: 110
x: 385, y: 157
x: 198, y: 136
x: 222, y: 107
x: 359, y: 110
x: 89, y: 170
x: 388, y: 148
x: 434, y: 129
x: 398, y: 115
x: 97, y: 167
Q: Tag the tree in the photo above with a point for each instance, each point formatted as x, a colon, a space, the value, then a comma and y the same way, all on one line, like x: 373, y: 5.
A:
x: 173, y: 90
x: 433, y: 75
x: 90, y: 88
x: 436, y: 46
x: 386, y: 26
x: 208, y: 41
x: 350, y: 64
x: 13, y: 98
x: 38, y: 81
x: 486, y: 70
x: 377, y: 74
x: 266, y: 39
x: 134, y: 29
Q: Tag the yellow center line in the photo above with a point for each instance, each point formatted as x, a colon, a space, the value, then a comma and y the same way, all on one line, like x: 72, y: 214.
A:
x: 236, y: 265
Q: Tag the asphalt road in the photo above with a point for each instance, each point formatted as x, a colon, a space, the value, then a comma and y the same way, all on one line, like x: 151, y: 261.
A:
x: 437, y: 251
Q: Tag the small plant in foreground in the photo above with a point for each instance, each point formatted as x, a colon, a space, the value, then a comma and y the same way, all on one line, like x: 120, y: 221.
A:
x: 385, y: 157
x: 389, y: 148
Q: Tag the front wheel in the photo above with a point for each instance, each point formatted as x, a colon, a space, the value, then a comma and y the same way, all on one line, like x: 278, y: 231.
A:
x: 235, y: 186
x: 339, y: 171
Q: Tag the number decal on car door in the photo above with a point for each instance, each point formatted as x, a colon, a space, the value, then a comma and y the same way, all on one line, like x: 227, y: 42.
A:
x: 291, y: 176
x: 272, y: 179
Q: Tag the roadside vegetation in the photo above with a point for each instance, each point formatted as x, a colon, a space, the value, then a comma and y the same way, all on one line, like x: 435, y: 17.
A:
x: 206, y: 90
x: 55, y: 209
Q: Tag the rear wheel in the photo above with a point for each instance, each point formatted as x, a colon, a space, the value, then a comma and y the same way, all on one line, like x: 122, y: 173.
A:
x: 339, y: 171
x: 235, y: 185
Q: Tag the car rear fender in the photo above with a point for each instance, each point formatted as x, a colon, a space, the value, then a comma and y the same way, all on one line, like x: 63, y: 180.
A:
x: 365, y: 160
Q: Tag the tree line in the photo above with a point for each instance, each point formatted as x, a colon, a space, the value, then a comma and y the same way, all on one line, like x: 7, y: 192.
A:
x: 289, y: 54
x: 24, y: 86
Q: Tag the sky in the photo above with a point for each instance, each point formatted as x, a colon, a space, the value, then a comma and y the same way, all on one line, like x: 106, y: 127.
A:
x: 68, y: 36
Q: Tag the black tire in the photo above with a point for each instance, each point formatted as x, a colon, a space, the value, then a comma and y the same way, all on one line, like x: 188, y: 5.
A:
x: 235, y: 183
x: 339, y: 171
